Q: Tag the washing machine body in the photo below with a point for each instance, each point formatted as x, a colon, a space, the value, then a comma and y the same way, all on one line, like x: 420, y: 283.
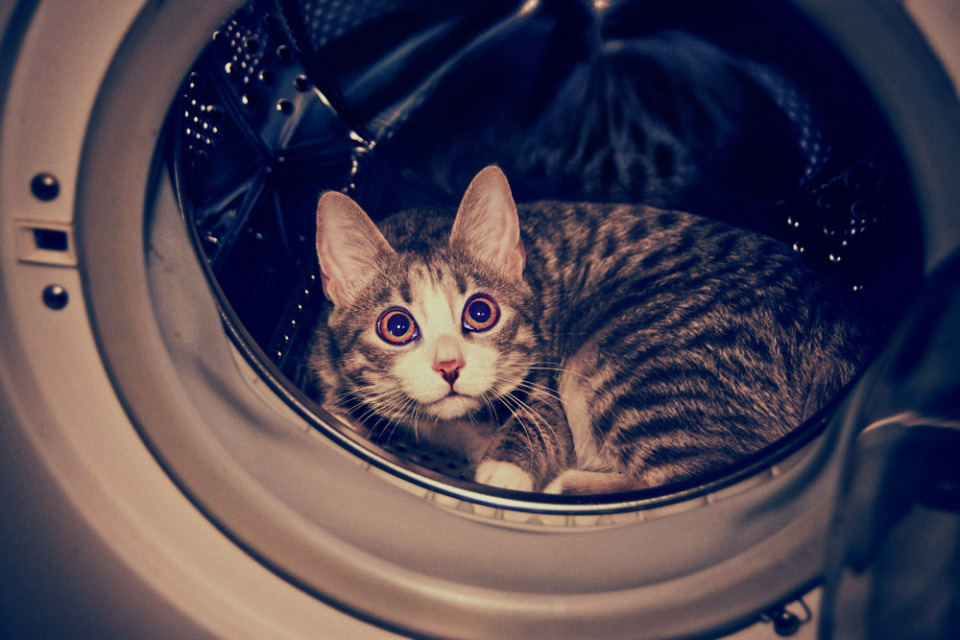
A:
x: 162, y: 475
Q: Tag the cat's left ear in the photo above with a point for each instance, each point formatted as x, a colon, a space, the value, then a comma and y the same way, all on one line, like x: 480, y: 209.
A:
x: 487, y: 225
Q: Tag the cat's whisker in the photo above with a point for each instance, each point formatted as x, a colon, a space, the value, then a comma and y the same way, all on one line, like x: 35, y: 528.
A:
x: 383, y: 406
x: 342, y: 400
x: 349, y: 404
x: 529, y: 385
x: 485, y: 399
x: 526, y: 410
x: 538, y: 417
x: 394, y: 405
x: 533, y: 425
x: 510, y: 401
x: 392, y: 424
x: 387, y: 431
x: 538, y: 388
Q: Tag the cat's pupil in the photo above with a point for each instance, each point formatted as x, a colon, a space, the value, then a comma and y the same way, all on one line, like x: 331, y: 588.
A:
x: 398, y: 325
x: 480, y: 311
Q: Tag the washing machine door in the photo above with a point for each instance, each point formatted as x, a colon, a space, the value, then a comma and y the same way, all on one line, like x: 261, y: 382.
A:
x: 894, y: 558
x: 159, y: 477
x: 892, y: 565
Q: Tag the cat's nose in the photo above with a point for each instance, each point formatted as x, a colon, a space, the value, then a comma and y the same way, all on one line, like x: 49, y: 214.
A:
x: 449, y: 369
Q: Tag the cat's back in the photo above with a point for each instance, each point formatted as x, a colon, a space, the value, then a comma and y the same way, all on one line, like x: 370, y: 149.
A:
x: 633, y: 277
x: 600, y: 254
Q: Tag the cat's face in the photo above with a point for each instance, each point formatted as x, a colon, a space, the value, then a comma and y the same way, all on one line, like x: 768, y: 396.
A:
x: 430, y: 340
x: 422, y: 338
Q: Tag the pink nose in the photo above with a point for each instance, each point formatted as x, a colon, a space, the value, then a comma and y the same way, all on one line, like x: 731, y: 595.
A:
x: 449, y: 369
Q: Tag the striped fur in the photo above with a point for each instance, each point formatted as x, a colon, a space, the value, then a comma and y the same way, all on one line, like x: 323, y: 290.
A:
x: 653, y: 346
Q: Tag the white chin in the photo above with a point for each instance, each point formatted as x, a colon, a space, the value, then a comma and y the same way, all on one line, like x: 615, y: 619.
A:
x: 452, y: 407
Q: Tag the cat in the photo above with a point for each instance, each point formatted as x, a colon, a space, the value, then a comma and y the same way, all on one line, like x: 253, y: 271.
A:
x: 573, y: 347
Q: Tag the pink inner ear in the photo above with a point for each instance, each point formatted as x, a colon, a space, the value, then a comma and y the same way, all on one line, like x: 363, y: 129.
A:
x: 332, y: 290
x: 487, y: 224
x: 517, y: 259
x: 348, y: 246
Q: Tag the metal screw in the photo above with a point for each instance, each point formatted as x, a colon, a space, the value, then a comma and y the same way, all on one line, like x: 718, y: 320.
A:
x: 45, y: 186
x: 785, y: 623
x: 55, y: 297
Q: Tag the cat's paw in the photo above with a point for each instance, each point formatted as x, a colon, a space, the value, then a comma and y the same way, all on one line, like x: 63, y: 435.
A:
x: 504, y: 475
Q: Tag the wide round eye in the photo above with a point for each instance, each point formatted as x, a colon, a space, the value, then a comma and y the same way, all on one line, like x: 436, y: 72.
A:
x: 397, y: 326
x: 480, y: 313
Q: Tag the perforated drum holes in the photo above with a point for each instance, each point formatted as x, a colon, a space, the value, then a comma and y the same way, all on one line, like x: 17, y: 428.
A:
x: 284, y: 54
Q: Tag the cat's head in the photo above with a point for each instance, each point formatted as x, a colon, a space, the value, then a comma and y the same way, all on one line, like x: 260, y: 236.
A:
x: 439, y: 335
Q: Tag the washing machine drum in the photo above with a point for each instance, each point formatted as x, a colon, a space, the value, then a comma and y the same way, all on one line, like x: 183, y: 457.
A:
x: 194, y: 224
x: 399, y: 107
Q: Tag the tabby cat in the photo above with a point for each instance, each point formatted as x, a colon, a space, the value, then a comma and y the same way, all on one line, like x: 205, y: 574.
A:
x: 573, y: 348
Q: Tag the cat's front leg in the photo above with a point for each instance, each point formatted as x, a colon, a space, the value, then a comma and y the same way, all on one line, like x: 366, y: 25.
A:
x: 530, y: 449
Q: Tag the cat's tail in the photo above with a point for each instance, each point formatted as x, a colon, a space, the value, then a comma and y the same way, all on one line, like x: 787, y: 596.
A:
x: 579, y: 482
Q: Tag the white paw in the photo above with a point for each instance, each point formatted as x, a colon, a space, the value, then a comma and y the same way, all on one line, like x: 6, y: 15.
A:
x: 504, y: 475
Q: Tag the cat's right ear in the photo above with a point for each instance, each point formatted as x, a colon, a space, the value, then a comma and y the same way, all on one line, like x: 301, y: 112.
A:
x: 349, y: 247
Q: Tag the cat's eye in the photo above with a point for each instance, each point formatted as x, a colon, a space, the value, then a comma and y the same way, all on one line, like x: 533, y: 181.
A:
x: 480, y: 313
x: 397, y: 326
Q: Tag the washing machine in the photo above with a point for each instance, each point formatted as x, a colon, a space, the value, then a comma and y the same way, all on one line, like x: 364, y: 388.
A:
x: 164, y: 469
